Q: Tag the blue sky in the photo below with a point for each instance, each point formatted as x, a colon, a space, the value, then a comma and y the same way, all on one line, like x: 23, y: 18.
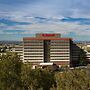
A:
x: 20, y: 18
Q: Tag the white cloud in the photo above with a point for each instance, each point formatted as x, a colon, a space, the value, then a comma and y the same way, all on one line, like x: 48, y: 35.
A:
x: 61, y: 27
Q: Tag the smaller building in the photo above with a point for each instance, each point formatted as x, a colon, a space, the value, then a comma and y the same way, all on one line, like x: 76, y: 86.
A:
x: 19, y: 50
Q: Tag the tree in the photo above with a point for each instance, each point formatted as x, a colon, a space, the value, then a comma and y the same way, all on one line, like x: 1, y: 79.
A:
x: 34, y: 79
x: 77, y: 79
x: 82, y: 57
x: 46, y: 79
x: 10, y: 69
x: 27, y: 77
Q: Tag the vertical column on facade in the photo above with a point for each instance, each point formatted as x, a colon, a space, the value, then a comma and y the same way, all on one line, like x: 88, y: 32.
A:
x: 46, y: 50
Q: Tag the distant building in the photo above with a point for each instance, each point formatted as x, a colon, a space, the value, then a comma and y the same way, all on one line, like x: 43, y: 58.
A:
x: 48, y: 48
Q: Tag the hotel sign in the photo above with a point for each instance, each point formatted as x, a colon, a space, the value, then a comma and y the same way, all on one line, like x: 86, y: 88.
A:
x: 48, y: 35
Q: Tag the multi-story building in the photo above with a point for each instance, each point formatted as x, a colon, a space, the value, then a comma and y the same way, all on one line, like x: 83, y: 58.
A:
x: 47, y: 48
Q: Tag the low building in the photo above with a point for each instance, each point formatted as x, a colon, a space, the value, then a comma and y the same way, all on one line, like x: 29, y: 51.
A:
x: 19, y: 50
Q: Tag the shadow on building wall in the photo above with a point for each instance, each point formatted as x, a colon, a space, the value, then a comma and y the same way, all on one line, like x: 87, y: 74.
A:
x: 78, y: 56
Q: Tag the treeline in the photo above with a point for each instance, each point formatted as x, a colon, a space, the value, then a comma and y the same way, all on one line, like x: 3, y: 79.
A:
x: 14, y: 75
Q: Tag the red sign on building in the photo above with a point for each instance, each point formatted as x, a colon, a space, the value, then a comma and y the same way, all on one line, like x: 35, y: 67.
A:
x: 48, y: 35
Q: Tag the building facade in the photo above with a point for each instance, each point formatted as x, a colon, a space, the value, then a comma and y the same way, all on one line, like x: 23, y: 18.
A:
x: 19, y: 50
x: 47, y: 48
